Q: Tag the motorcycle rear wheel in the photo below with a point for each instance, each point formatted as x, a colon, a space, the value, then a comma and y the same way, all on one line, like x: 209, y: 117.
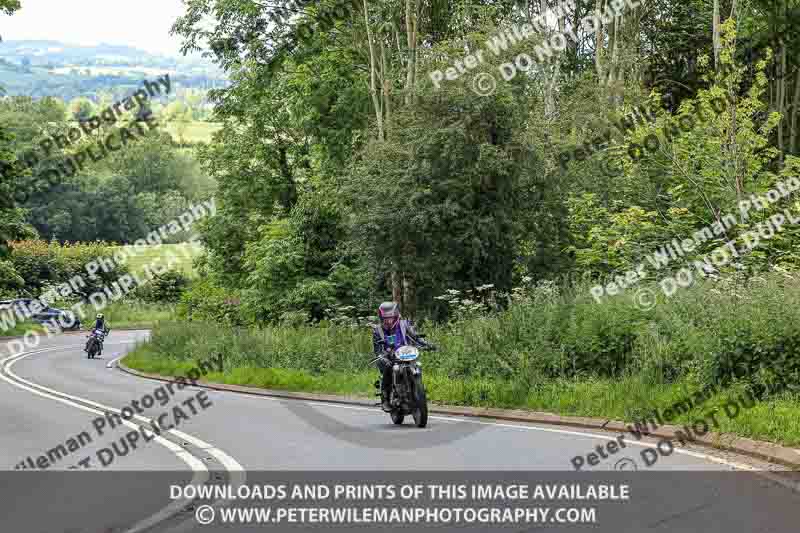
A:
x: 397, y: 418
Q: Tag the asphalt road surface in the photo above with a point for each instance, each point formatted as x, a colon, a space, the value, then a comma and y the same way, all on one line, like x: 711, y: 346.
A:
x: 57, y: 410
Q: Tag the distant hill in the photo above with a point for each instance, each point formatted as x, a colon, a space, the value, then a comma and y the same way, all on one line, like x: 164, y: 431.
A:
x: 54, y: 68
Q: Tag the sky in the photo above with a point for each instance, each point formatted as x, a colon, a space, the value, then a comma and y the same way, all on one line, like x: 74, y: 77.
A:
x: 142, y: 24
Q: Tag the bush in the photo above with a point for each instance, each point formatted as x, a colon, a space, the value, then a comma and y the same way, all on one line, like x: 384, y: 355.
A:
x: 205, y: 302
x: 163, y: 288
x: 709, y: 334
x: 45, y: 264
x: 10, y: 280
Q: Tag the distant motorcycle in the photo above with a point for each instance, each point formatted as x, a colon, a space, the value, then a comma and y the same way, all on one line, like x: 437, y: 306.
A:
x: 408, y: 395
x: 95, y: 344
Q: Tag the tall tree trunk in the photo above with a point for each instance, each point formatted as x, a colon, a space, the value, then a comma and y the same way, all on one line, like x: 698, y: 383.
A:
x: 373, y: 67
x: 397, y: 287
x: 409, y: 282
x: 781, y: 107
x: 716, y: 40
x: 387, y: 86
x: 599, y: 40
x: 795, y: 104
x: 409, y: 295
x: 614, y: 69
x: 412, y: 19
x: 548, y: 85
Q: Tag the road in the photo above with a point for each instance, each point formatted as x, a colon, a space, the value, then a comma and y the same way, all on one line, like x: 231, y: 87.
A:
x: 51, y: 395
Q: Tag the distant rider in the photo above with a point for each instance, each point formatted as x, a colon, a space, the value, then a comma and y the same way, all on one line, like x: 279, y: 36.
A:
x: 402, y: 332
x: 101, y: 325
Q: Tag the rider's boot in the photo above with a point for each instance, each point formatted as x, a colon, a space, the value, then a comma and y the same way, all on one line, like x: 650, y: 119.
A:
x: 386, y: 392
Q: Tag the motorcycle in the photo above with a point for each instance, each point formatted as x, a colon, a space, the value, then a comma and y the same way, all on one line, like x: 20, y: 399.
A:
x: 407, y: 395
x: 95, y: 344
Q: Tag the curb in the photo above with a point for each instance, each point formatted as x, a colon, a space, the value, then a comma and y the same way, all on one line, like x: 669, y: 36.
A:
x: 766, y: 451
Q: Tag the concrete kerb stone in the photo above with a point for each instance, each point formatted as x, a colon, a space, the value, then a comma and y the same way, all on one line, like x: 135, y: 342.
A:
x: 766, y: 451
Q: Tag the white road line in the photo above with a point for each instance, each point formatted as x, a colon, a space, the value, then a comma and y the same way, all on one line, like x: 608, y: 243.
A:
x: 531, y: 427
x: 201, y: 475
x: 113, y: 362
x: 698, y: 455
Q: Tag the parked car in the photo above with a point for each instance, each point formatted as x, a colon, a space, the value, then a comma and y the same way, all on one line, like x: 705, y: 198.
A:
x: 59, y: 316
x: 46, y: 314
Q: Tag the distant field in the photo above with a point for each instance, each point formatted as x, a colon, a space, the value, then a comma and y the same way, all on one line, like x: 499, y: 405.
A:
x: 195, y: 131
x: 184, y: 253
x: 117, y: 71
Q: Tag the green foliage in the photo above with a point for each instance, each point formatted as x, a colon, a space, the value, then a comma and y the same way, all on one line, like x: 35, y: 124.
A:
x: 44, y: 265
x: 82, y: 109
x: 207, y: 302
x: 167, y: 287
x: 345, y: 179
x: 10, y: 280
x: 120, y: 198
x: 297, y: 266
x: 549, y: 334
x: 9, y: 6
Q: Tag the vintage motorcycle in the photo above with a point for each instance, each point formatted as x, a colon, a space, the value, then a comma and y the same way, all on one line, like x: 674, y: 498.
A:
x: 408, y: 392
x: 95, y: 344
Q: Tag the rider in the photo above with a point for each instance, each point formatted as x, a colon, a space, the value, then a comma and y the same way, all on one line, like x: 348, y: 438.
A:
x: 392, y: 324
x: 101, y: 324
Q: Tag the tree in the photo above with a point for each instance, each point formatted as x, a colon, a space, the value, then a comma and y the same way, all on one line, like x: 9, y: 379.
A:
x: 81, y: 108
x: 9, y: 6
x: 179, y: 113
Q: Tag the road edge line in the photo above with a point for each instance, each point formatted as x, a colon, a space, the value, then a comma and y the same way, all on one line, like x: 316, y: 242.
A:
x: 766, y: 451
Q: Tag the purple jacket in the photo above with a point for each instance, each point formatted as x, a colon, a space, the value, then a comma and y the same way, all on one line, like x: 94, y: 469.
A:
x: 404, y: 333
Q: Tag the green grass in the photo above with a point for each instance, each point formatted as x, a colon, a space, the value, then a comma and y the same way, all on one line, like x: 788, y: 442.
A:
x: 775, y: 420
x: 145, y: 359
x: 193, y: 132
x: 21, y: 329
x: 183, y: 253
x: 124, y: 314
x: 555, y: 351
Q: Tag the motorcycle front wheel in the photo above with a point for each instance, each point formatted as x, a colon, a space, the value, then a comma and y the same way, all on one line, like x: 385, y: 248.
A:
x: 421, y: 411
x: 397, y: 418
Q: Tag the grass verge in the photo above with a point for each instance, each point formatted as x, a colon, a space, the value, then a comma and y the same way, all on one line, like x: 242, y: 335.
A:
x: 552, y: 350
x: 775, y: 420
x: 21, y: 329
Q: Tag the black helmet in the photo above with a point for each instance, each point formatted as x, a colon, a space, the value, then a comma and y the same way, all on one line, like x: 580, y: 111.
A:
x: 389, y: 313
